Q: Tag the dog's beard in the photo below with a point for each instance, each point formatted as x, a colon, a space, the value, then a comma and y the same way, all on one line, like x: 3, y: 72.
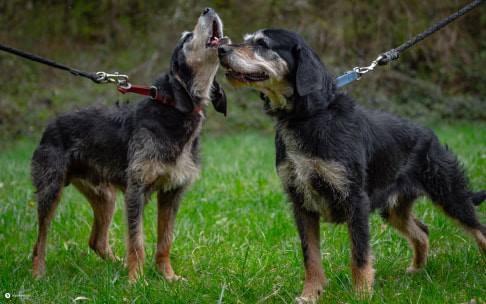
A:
x: 254, y: 70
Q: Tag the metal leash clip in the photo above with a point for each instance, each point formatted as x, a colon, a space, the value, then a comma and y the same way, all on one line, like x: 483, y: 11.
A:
x: 363, y: 70
x: 119, y: 79
x: 356, y: 73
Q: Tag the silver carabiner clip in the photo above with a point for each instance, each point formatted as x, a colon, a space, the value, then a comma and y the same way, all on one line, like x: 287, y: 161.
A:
x: 101, y: 77
x: 116, y: 78
x: 363, y: 70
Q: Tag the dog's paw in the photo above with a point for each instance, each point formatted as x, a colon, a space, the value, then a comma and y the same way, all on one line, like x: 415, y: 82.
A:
x: 114, y: 258
x: 39, y: 268
x: 109, y: 256
x: 132, y: 280
x: 305, y: 300
x: 135, y: 276
x: 413, y: 269
x: 138, y: 282
x: 38, y: 275
x: 175, y: 278
x: 363, y: 293
x: 364, y: 290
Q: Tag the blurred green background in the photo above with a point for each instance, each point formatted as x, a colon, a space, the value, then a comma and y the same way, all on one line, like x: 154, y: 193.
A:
x: 442, y: 78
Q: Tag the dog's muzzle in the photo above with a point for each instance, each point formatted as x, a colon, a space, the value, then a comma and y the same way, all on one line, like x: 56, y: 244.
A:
x: 215, y: 38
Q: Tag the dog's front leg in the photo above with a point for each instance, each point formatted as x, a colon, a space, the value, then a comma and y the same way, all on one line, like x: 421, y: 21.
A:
x: 358, y: 225
x: 308, y: 225
x: 135, y: 197
x: 168, y: 204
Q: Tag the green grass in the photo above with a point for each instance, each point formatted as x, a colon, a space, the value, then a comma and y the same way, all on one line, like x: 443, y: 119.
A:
x: 234, y: 229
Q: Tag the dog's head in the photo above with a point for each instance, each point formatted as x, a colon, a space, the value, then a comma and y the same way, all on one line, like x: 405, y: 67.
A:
x: 281, y: 65
x: 195, y: 62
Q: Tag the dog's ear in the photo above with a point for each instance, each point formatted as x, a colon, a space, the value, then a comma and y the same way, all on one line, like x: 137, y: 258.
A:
x: 218, y: 98
x: 309, y: 72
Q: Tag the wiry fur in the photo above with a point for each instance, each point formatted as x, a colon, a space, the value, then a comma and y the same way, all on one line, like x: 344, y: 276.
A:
x: 340, y: 161
x: 138, y: 148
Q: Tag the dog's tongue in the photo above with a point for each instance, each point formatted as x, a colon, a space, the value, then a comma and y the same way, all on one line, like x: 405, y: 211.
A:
x: 214, y: 41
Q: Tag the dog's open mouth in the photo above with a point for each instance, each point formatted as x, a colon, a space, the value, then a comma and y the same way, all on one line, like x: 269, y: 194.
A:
x: 247, y: 77
x: 216, y: 35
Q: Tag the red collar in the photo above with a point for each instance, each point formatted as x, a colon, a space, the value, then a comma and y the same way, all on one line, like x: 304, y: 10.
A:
x: 153, y: 93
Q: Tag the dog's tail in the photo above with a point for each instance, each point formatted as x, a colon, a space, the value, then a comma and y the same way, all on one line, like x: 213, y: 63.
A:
x: 478, y: 197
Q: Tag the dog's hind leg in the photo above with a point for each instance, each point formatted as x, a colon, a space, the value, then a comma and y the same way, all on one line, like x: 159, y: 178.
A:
x: 47, y: 204
x: 48, y: 173
x: 460, y: 208
x: 168, y: 204
x: 446, y: 184
x: 102, y: 199
x: 416, y: 232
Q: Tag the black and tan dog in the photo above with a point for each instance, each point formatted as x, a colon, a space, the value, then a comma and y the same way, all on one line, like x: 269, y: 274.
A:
x: 339, y: 161
x: 141, y: 148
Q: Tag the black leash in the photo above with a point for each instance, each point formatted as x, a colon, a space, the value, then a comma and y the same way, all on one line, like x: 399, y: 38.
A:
x: 394, y: 54
x: 98, y: 77
x: 121, y: 81
x: 93, y: 76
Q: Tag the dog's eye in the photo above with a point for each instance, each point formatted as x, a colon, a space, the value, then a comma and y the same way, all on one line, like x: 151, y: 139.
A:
x: 261, y: 42
x: 186, y: 36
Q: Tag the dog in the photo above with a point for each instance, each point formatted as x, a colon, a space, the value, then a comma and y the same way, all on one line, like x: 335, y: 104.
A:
x: 339, y: 161
x: 140, y: 148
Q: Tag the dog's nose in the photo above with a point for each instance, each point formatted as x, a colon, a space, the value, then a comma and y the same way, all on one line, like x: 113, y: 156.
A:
x: 207, y: 10
x: 223, y: 50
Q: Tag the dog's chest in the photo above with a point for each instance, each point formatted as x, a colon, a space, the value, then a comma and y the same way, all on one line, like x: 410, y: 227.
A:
x: 182, y: 171
x: 302, y: 172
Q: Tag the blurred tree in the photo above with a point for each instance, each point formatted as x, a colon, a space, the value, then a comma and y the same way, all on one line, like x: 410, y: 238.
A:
x: 137, y: 36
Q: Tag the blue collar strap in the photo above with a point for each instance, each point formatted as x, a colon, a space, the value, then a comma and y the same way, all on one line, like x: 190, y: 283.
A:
x: 356, y: 73
x: 347, y: 78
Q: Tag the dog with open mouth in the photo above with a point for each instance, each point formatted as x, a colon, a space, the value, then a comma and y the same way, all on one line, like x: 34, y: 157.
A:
x: 140, y: 148
x: 339, y: 161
